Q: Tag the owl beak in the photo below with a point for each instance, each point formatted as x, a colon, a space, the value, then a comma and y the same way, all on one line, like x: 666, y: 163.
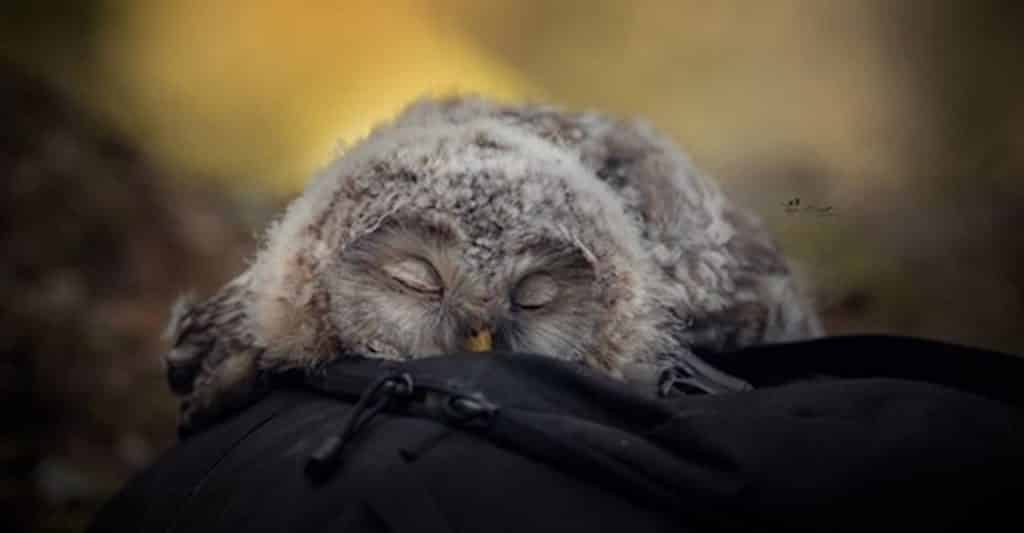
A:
x: 480, y: 341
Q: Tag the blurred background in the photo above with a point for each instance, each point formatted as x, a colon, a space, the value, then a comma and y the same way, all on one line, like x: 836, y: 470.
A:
x: 144, y: 144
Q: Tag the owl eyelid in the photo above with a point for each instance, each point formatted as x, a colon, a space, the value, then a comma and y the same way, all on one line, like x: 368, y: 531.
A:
x: 416, y: 274
x: 535, y: 291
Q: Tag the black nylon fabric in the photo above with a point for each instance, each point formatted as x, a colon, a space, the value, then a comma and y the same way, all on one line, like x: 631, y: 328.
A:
x: 574, y: 451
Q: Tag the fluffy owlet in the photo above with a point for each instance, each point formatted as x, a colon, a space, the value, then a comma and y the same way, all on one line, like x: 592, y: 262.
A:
x: 467, y: 224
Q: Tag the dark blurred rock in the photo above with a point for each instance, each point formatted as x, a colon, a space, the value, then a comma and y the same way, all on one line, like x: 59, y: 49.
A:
x: 97, y: 243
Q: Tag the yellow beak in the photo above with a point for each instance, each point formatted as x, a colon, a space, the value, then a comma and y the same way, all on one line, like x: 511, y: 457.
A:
x: 480, y: 341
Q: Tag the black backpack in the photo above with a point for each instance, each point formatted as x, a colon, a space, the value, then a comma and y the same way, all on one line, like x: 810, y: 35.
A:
x: 865, y: 433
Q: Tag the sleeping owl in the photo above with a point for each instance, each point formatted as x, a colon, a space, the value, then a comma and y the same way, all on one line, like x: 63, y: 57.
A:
x: 467, y: 224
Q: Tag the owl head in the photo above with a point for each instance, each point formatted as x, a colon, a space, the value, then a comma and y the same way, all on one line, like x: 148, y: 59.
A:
x: 471, y: 225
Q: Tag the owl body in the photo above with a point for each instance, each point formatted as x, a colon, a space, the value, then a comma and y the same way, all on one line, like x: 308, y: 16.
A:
x: 572, y: 235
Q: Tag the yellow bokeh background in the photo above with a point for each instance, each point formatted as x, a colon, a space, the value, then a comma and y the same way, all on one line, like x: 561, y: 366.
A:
x: 260, y: 92
x: 264, y: 90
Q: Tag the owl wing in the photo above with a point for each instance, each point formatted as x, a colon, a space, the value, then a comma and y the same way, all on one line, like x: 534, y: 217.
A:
x: 735, y: 288
x: 213, y: 361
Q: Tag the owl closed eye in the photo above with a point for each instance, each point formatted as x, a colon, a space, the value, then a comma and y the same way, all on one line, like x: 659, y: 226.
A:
x: 417, y: 275
x: 534, y: 292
